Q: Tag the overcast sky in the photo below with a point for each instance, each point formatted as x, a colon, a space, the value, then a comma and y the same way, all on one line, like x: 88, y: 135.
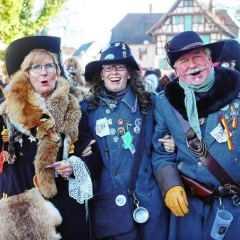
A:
x: 92, y: 20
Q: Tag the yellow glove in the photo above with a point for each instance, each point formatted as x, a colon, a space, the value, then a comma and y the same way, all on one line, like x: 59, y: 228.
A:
x: 4, y: 134
x: 176, y: 201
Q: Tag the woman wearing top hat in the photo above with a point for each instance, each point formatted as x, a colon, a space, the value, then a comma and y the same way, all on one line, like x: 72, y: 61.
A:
x: 46, y: 126
x: 118, y: 102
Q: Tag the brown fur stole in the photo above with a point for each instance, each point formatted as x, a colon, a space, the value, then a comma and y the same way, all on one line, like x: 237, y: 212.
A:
x: 26, y: 111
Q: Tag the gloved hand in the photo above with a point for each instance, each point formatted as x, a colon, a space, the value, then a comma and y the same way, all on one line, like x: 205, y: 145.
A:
x: 176, y: 201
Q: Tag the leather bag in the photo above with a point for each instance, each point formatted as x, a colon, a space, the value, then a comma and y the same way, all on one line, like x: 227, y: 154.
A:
x: 198, y: 189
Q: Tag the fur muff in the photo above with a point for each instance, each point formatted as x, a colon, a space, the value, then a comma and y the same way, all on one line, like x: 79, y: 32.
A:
x: 28, y: 216
x: 26, y: 111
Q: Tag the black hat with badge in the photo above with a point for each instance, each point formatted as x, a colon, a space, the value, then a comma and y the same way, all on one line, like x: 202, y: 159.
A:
x: 187, y: 41
x: 115, y: 52
x: 20, y: 48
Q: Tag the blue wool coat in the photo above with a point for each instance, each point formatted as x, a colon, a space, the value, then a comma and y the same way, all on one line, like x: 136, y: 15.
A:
x: 118, y: 161
x: 224, y: 94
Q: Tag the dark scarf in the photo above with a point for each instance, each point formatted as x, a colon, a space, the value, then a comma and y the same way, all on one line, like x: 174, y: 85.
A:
x: 224, y: 90
x: 117, y: 95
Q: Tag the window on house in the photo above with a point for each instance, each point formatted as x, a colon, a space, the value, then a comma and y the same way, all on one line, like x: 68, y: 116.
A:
x: 187, y: 3
x: 142, y: 53
x: 198, y: 19
x: 177, y: 19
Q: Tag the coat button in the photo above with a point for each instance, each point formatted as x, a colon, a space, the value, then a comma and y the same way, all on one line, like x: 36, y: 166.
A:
x: 106, y: 149
x: 236, y: 160
x: 114, y: 174
x: 149, y: 194
x: 145, y: 170
x: 199, y: 164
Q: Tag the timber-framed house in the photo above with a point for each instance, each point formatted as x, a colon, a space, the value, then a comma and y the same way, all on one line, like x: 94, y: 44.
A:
x: 210, y: 23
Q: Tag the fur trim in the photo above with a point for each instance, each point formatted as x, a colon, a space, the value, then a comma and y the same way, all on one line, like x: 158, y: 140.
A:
x: 224, y: 90
x: 60, y: 114
x: 26, y: 101
x: 65, y: 109
x: 28, y: 216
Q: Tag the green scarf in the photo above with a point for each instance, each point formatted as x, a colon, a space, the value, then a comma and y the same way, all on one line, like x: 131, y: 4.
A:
x: 190, y: 100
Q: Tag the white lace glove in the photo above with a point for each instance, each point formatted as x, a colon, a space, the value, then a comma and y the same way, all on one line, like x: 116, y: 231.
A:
x: 80, y: 188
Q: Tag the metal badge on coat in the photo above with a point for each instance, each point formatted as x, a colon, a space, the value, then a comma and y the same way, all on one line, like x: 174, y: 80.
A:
x: 120, y: 200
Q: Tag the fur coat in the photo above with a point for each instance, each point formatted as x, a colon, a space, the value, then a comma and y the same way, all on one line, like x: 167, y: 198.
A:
x: 224, y: 90
x: 24, y: 110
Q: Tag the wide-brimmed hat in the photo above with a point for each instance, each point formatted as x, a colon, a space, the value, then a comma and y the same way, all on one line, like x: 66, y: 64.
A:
x: 187, y: 41
x: 115, y: 52
x: 20, y: 48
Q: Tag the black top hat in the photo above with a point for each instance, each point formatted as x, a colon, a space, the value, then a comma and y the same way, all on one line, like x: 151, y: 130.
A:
x: 187, y: 41
x: 20, y: 48
x: 115, y: 52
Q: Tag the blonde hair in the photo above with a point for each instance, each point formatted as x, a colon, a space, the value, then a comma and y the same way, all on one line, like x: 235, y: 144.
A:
x: 36, y: 56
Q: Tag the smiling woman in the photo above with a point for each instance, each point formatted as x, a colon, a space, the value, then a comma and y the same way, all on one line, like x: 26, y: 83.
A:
x: 118, y: 108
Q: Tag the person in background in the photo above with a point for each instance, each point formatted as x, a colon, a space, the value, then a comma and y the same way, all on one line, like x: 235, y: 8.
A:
x: 158, y: 72
x: 74, y: 69
x: 141, y: 69
x: 151, y: 82
x: 172, y: 76
x: 230, y: 56
x: 118, y: 101
x: 203, y: 100
x: 38, y: 88
x: 3, y: 82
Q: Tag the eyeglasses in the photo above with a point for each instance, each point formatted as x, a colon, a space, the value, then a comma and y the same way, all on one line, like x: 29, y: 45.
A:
x: 109, y: 68
x: 228, y: 64
x: 37, y: 68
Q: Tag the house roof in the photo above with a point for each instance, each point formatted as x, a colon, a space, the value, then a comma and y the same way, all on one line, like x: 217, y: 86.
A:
x: 133, y: 27
x: 217, y: 21
x: 83, y: 48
